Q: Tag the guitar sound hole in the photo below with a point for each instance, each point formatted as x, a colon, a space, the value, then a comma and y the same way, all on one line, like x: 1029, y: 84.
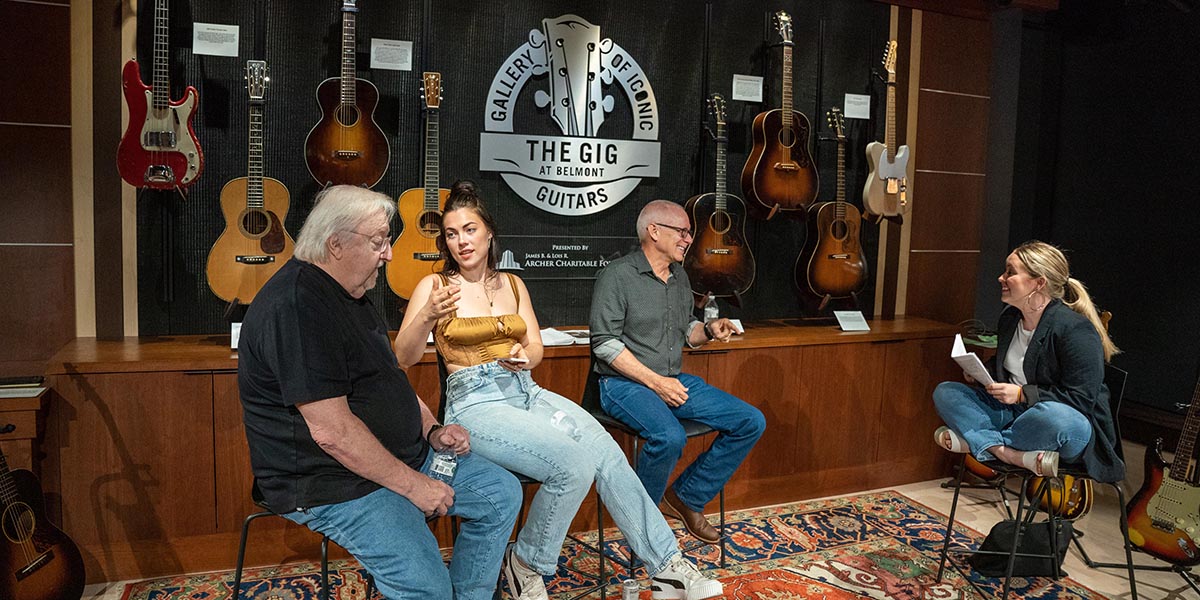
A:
x: 347, y: 115
x: 430, y: 224
x: 720, y: 222
x: 839, y: 230
x: 18, y: 523
x: 255, y: 223
x: 786, y: 138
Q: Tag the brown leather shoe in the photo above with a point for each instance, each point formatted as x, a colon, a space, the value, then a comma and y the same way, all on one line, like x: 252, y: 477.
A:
x: 694, y: 522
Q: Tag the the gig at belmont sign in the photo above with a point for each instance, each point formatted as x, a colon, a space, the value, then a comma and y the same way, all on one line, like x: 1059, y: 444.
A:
x: 577, y: 173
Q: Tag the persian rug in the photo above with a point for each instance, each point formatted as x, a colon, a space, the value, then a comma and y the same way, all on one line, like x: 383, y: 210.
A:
x: 873, y: 546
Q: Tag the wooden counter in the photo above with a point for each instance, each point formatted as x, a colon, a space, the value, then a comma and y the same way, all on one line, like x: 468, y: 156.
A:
x: 146, y: 465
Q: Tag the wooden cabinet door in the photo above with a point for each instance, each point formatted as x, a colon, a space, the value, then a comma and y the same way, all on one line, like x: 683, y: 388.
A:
x: 232, y: 456
x: 913, y: 369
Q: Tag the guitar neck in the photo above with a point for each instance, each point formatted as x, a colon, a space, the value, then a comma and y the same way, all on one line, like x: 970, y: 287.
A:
x: 1187, y: 439
x: 254, y: 175
x: 432, y: 151
x: 160, y: 92
x: 8, y: 487
x: 890, y: 133
x: 349, y: 70
x: 720, y: 203
x: 841, y: 171
x: 787, y: 87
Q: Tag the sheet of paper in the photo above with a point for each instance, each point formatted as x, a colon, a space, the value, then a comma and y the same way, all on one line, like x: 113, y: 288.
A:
x: 393, y: 55
x: 737, y: 323
x: 214, y: 39
x: 747, y: 88
x: 969, y: 362
x: 851, y: 320
x: 857, y: 106
x: 554, y: 337
x: 21, y: 392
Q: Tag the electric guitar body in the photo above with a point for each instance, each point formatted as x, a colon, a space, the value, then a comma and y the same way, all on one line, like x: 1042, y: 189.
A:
x: 159, y: 149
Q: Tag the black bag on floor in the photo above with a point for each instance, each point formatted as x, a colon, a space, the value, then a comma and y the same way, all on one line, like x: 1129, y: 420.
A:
x: 1035, y: 539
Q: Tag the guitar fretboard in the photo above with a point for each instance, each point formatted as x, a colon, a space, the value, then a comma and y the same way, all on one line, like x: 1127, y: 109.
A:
x: 160, y: 93
x: 8, y: 487
x: 349, y: 71
x: 432, y: 151
x: 720, y: 202
x: 890, y: 134
x: 1187, y: 439
x: 841, y: 170
x: 254, y: 176
x: 787, y: 87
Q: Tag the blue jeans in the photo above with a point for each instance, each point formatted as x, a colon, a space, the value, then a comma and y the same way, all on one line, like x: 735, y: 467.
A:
x: 983, y: 422
x: 739, y: 426
x: 388, y: 534
x: 509, y: 417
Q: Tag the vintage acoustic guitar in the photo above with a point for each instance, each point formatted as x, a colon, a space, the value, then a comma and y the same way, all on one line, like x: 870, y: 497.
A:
x: 719, y: 261
x: 415, y: 253
x: 831, y: 265
x: 159, y: 149
x: 346, y: 146
x: 37, y: 560
x: 255, y: 243
x: 1164, y: 515
x: 885, y: 193
x: 779, y: 174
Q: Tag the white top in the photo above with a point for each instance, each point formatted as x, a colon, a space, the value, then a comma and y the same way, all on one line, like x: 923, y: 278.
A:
x: 1014, y: 360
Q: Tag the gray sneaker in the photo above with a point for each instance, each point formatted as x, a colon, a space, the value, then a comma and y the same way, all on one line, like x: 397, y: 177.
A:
x: 523, y: 583
x: 681, y: 580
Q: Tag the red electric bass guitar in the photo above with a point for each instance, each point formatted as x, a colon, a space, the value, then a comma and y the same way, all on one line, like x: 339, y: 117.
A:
x: 159, y: 149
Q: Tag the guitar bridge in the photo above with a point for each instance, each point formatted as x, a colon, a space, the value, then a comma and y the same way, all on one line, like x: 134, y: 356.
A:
x: 427, y: 256
x: 160, y: 174
x: 35, y: 564
x: 346, y: 154
x: 717, y: 251
x: 788, y: 166
x: 839, y: 256
x: 255, y: 259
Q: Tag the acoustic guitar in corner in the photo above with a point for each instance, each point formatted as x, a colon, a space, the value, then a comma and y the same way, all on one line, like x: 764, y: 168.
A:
x: 159, y: 149
x: 719, y: 261
x: 255, y: 243
x: 346, y: 146
x: 831, y: 264
x: 1164, y: 515
x: 886, y: 191
x: 415, y: 253
x: 37, y: 561
x: 779, y: 174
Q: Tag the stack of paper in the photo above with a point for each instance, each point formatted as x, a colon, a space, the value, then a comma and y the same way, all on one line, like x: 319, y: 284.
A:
x: 969, y: 362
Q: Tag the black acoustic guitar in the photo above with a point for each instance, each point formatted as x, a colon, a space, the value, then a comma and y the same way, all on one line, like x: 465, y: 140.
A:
x: 719, y: 261
x: 37, y: 561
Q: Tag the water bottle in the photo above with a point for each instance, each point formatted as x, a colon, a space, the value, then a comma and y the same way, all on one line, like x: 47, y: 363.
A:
x: 445, y: 463
x: 630, y: 589
x: 711, y: 311
x: 565, y: 423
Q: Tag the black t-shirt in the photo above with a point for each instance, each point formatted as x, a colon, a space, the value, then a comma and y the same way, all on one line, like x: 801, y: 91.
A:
x: 306, y: 339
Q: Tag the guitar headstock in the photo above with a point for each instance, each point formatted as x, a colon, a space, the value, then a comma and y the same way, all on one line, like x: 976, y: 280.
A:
x: 431, y: 87
x: 783, y: 25
x: 837, y: 123
x: 349, y: 5
x: 716, y: 106
x: 256, y: 79
x: 889, y: 58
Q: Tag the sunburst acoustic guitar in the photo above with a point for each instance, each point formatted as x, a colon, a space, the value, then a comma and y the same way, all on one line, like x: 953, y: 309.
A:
x: 415, y: 253
x: 719, y: 262
x: 347, y: 146
x: 37, y: 560
x: 255, y: 243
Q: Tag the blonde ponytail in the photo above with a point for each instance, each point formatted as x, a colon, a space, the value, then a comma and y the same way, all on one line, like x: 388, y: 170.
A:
x: 1083, y: 305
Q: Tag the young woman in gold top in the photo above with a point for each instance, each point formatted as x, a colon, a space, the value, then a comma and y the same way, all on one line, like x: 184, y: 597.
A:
x: 486, y: 331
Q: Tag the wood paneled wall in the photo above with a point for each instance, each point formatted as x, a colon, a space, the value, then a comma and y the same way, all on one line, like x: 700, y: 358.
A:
x: 948, y: 132
x: 37, y: 315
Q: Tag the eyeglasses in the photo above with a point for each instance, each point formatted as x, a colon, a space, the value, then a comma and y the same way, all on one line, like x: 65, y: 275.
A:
x: 683, y: 232
x: 378, y: 243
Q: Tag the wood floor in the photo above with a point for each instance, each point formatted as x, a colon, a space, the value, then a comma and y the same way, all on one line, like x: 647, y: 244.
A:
x: 981, y: 509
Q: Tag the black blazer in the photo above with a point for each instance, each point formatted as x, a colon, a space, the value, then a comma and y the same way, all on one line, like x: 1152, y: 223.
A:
x: 1065, y: 363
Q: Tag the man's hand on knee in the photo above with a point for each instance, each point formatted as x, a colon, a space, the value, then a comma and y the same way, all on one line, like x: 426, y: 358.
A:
x: 671, y: 391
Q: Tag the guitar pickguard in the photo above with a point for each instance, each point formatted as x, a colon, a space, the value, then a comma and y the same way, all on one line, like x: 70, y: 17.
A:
x: 1175, y: 506
x: 893, y: 169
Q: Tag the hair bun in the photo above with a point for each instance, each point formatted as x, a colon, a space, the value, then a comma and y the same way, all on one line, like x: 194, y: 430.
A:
x: 463, y: 186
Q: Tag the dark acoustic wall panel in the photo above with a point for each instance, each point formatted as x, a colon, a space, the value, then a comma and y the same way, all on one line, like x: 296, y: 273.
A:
x: 838, y: 44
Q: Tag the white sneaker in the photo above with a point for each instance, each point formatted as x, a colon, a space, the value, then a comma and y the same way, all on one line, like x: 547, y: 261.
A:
x: 523, y: 583
x: 681, y: 580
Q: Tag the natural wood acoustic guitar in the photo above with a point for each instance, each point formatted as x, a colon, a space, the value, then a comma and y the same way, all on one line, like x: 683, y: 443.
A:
x: 255, y: 243
x: 415, y: 253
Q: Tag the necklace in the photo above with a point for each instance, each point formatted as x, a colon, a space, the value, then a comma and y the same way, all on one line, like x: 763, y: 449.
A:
x: 486, y: 281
